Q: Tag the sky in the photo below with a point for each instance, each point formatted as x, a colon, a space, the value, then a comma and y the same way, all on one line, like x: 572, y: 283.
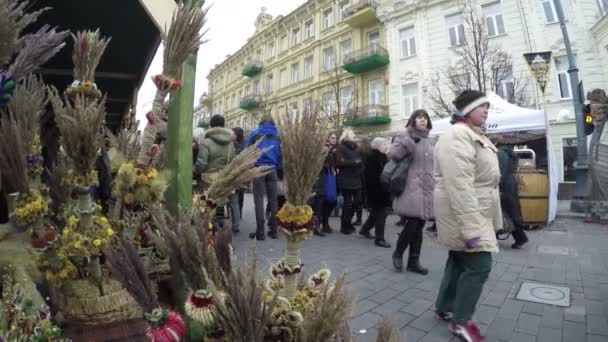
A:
x: 230, y: 23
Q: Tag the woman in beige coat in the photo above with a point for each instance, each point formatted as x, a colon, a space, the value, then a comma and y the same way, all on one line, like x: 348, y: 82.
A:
x: 467, y: 212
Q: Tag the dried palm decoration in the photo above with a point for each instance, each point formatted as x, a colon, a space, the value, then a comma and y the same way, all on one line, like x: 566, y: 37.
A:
x: 12, y: 161
x: 79, y: 121
x: 245, y: 312
x: 123, y: 261
x: 302, y: 145
x: 386, y: 332
x: 27, y: 105
x: 182, y: 39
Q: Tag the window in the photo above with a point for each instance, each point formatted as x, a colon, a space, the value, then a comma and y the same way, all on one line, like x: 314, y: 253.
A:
x: 308, y: 105
x: 240, y: 95
x: 233, y: 101
x: 346, y: 50
x: 295, y: 72
x: 602, y: 6
x: 270, y: 50
x: 569, y: 153
x: 247, y: 92
x: 284, y: 43
x: 293, y: 108
x: 373, y: 39
x: 505, y: 87
x: 257, y: 89
x: 563, y: 78
x: 346, y: 99
x: 295, y: 37
x: 283, y: 78
x: 309, y: 30
x: 408, y: 42
x: 328, y: 18
x: 494, y: 22
x: 308, y: 65
x: 269, y: 84
x: 344, y: 5
x: 376, y: 92
x: 455, y: 24
x: 550, y: 12
x: 409, y: 98
x: 328, y: 59
x: 327, y: 103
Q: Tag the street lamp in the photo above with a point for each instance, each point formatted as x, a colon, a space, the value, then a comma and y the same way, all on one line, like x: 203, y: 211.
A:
x: 580, y: 166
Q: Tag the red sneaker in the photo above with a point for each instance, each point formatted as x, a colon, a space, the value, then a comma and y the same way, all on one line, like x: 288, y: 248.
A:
x: 467, y: 333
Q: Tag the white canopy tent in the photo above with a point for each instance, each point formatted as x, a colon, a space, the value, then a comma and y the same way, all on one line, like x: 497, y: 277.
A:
x: 517, y: 125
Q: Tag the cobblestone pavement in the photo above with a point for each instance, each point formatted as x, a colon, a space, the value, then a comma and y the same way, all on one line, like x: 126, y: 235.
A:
x: 407, y: 299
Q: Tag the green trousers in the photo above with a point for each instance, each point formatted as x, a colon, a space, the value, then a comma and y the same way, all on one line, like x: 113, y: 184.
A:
x: 462, y: 283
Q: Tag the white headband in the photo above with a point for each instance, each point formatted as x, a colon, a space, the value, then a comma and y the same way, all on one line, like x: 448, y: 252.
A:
x: 471, y: 106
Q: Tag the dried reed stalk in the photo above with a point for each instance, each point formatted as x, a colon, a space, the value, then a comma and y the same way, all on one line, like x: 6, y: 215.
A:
x: 37, y: 48
x: 302, y: 142
x: 240, y: 171
x: 126, y: 266
x: 329, y: 312
x: 58, y: 192
x: 13, y: 19
x: 88, y: 49
x: 126, y: 142
x: 27, y: 105
x: 386, y: 332
x: 243, y: 314
x: 182, y: 39
x: 79, y: 121
x: 12, y: 156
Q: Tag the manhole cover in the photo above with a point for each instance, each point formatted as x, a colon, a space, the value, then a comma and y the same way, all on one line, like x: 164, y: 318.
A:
x: 553, y: 250
x: 545, y: 294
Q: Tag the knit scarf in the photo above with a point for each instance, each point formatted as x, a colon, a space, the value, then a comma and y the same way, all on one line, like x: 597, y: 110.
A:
x: 418, y: 133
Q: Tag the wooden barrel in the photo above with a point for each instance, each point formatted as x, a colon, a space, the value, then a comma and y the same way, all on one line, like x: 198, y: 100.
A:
x: 533, y: 195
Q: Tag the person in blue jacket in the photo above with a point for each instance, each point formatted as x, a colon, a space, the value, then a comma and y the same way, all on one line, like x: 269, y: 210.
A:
x: 267, y: 184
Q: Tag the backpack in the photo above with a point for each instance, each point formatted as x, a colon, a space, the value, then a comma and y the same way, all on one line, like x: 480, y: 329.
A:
x: 394, y: 175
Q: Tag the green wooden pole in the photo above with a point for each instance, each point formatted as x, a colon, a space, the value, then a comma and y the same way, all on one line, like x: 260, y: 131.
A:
x: 179, y: 140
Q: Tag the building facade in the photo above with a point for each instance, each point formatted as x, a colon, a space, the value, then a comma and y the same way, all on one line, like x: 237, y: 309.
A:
x: 326, y: 55
x: 423, y: 37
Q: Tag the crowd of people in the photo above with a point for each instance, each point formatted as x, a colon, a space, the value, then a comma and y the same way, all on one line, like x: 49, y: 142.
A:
x: 463, y: 183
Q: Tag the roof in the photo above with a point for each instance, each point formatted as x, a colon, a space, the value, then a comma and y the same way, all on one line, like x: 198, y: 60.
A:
x: 123, y: 66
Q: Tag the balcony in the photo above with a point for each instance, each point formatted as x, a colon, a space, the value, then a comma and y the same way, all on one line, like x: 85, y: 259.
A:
x: 250, y: 102
x: 365, y: 60
x: 361, y: 13
x: 370, y: 115
x: 252, y: 69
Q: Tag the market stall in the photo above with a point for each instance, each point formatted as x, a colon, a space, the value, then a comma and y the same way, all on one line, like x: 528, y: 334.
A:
x: 528, y: 130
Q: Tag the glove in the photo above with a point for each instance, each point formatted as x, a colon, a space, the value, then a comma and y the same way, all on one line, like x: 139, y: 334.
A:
x: 472, y: 243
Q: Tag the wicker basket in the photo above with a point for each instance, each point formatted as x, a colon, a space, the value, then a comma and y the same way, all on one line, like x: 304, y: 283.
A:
x: 80, y: 303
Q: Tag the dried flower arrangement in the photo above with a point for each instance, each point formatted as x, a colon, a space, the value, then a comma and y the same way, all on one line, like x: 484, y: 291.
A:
x: 20, y: 320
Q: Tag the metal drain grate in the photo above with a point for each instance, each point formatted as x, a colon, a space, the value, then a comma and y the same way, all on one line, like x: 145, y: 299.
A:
x: 544, y: 294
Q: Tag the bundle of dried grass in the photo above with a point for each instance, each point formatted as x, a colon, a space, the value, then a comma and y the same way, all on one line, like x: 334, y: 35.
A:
x: 79, y: 121
x: 126, y: 266
x: 27, y: 105
x: 386, y: 332
x: 302, y: 142
x: 329, y: 312
x: 240, y: 171
x: 125, y: 146
x: 185, y: 245
x: 182, y: 39
x: 58, y: 192
x: 13, y: 20
x: 12, y: 161
x: 37, y: 48
x: 244, y: 314
x: 88, y: 49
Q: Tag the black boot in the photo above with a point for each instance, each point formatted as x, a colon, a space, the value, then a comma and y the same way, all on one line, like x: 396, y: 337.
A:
x: 402, y: 243
x: 413, y: 262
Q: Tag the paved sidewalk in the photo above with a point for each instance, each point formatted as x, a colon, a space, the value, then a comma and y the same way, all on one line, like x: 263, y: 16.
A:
x: 407, y: 299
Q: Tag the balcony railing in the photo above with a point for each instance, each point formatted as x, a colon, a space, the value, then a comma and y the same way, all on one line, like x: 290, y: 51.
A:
x: 252, y: 69
x: 370, y: 58
x: 360, y: 13
x: 369, y: 115
x: 250, y: 102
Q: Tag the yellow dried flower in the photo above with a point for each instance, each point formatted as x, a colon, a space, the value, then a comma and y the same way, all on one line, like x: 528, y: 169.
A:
x: 97, y: 242
x: 72, y: 220
x: 109, y: 232
x: 66, y: 232
x: 77, y: 245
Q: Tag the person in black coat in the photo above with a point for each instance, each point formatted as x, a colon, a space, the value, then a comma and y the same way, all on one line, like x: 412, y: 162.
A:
x: 509, y: 197
x: 349, y: 180
x: 378, y: 201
